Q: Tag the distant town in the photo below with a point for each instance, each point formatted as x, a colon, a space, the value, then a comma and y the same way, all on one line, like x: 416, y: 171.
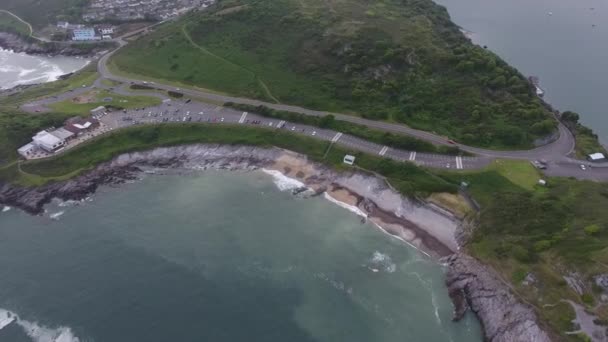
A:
x: 102, y: 19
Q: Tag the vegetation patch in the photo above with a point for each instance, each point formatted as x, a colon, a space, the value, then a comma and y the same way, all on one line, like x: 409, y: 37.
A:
x: 84, y: 103
x: 328, y: 121
x: 398, y: 61
x: 8, y: 23
x: 587, y: 142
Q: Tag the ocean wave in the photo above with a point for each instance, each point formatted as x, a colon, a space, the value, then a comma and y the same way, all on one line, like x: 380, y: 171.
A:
x: 55, y: 216
x: 37, y: 332
x: 383, y: 262
x: 349, y: 207
x: 6, y: 208
x: 283, y: 182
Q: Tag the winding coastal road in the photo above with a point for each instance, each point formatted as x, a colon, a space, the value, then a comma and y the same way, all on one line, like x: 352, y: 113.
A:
x: 555, y: 153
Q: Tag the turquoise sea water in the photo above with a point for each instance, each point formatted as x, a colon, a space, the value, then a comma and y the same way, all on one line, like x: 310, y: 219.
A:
x: 214, y: 257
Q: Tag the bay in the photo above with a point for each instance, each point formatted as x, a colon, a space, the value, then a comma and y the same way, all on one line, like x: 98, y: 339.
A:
x: 215, y: 257
x: 20, y: 68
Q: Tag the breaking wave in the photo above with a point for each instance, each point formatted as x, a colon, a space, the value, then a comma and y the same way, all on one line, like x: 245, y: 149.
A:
x: 283, y: 182
x: 380, y: 261
x: 346, y: 206
x: 36, y: 331
x: 55, y: 216
x: 6, y: 208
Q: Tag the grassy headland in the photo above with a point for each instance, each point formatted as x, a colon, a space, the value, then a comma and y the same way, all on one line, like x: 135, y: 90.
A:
x: 388, y: 60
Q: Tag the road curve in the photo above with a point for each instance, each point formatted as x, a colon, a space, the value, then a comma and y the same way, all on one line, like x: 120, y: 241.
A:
x: 554, y: 151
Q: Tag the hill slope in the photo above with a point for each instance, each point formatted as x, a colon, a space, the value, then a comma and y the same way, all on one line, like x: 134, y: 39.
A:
x: 40, y: 13
x: 399, y: 60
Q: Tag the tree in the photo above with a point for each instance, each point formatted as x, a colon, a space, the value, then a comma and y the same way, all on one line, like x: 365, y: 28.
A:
x: 592, y: 229
x: 327, y: 121
x: 570, y: 117
x: 543, y: 127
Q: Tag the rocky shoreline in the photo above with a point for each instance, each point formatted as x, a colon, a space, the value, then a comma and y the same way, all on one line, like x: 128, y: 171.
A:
x: 16, y: 43
x: 471, y: 285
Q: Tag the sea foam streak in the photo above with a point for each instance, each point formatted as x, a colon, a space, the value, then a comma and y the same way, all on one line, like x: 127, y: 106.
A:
x: 349, y: 207
x: 55, y: 216
x: 283, y: 182
x: 6, y: 208
x: 36, y: 332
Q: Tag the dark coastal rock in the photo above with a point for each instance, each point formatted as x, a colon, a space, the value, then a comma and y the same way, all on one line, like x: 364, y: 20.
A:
x: 16, y: 43
x: 32, y: 199
x: 474, y: 286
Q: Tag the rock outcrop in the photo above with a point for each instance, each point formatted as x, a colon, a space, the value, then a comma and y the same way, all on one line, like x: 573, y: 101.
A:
x: 474, y: 286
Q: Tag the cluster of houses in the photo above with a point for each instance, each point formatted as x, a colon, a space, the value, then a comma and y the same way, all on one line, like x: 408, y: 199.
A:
x: 53, y: 140
x: 79, y: 32
x: 129, y: 10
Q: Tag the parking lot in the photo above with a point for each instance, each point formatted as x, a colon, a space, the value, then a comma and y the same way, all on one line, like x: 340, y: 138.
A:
x: 184, y: 111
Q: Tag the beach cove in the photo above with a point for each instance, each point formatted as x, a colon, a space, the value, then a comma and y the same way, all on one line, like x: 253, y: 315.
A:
x: 372, y: 198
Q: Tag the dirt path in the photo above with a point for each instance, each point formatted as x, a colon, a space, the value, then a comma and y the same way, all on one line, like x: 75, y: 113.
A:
x: 204, y: 50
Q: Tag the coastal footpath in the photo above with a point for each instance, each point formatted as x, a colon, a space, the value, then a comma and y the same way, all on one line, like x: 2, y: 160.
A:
x: 471, y: 284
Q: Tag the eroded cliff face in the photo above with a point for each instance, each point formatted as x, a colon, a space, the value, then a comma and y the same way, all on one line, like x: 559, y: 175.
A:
x: 474, y: 286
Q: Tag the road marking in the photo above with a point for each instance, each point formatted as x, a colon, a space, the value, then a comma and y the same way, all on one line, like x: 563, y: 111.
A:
x: 242, y: 119
x: 413, y: 156
x: 336, y: 137
x: 383, y: 151
x: 459, y: 162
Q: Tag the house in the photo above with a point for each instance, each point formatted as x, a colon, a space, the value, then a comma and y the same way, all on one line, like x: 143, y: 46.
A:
x: 105, y: 29
x: 47, y: 141
x: 99, y: 111
x: 63, y: 25
x: 596, y: 157
x: 79, y: 126
x: 86, y: 33
x: 27, y: 150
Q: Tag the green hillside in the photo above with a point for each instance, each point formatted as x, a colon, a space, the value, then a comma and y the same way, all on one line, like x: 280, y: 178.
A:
x: 40, y: 13
x: 398, y: 60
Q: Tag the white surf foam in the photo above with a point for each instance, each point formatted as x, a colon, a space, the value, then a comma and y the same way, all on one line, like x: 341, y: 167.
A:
x: 37, y: 332
x: 6, y: 208
x: 383, y: 261
x: 55, y: 216
x: 283, y: 182
x: 349, y: 207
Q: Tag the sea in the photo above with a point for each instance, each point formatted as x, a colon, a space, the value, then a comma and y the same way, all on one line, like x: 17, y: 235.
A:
x: 20, y: 68
x: 563, y: 42
x: 215, y: 256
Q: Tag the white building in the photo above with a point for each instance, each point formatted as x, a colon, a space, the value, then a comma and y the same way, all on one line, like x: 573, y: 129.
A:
x: 348, y: 159
x: 27, y: 150
x: 47, y: 141
x: 106, y: 30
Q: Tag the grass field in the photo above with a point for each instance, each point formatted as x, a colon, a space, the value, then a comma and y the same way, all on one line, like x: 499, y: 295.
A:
x: 97, y: 99
x: 41, y: 13
x: 403, y: 62
x: 10, y: 23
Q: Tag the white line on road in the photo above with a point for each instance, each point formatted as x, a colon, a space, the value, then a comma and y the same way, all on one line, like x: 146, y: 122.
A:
x: 383, y: 151
x: 242, y: 119
x: 459, y: 162
x: 413, y: 156
x: 336, y: 137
